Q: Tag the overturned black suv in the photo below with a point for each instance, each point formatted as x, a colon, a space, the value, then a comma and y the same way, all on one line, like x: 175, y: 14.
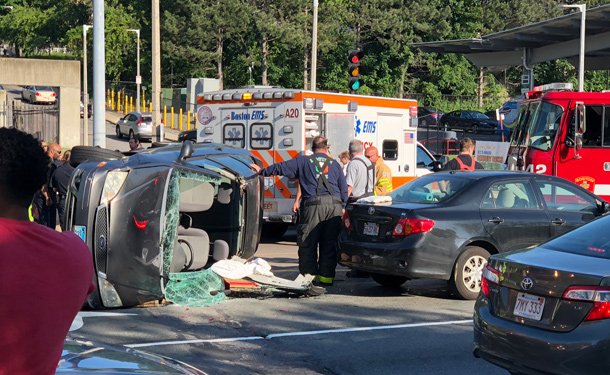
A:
x: 162, y: 212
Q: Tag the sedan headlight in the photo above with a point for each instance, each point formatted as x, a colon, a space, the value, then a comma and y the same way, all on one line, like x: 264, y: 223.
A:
x: 113, y: 184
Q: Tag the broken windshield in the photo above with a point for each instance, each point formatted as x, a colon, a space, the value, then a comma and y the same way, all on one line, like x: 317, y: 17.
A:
x: 538, y: 125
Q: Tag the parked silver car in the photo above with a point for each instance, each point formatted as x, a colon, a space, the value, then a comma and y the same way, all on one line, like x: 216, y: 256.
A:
x: 135, y: 123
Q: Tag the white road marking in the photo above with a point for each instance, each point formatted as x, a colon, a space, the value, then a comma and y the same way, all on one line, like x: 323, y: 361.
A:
x: 78, y: 323
x: 302, y: 333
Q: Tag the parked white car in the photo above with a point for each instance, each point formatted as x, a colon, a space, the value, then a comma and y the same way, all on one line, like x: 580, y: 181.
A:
x: 38, y: 94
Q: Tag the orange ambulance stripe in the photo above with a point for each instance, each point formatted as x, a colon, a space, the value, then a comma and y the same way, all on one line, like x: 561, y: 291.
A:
x: 399, y: 181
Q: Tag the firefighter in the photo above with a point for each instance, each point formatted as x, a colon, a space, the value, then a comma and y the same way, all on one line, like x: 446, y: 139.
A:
x: 383, y: 175
x: 465, y: 161
x: 324, y: 195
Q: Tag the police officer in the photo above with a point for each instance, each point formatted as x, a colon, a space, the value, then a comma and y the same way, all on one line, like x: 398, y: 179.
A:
x: 324, y: 194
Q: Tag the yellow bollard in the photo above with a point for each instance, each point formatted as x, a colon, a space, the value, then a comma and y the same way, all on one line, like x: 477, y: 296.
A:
x: 131, y: 104
x: 126, y: 106
x: 151, y: 108
x: 180, y: 119
x: 118, y: 102
x: 172, y: 119
x: 164, y: 115
x: 188, y: 120
x: 143, y: 105
x: 112, y: 100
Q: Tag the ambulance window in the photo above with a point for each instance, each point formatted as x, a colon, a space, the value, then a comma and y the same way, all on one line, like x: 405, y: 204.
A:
x: 390, y: 150
x: 261, y: 136
x: 233, y: 135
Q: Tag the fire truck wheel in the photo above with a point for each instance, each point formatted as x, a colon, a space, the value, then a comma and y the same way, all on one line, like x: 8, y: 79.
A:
x: 274, y: 231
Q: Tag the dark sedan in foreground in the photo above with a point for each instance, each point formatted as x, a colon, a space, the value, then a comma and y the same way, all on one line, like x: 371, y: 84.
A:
x: 162, y: 215
x: 546, y: 310
x: 446, y: 225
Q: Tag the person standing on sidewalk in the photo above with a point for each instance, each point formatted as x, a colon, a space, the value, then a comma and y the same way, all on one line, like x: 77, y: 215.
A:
x: 383, y: 174
x: 45, y: 276
x: 324, y: 194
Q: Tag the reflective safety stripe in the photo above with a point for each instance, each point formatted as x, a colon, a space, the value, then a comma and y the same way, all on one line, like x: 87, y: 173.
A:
x: 324, y: 279
x: 387, y: 183
x: 30, y: 214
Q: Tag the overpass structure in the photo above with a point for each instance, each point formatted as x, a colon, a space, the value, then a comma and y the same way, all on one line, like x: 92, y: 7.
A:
x: 537, y: 42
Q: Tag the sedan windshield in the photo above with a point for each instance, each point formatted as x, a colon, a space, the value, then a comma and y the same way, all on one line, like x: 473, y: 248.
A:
x: 592, y: 239
x: 430, y: 189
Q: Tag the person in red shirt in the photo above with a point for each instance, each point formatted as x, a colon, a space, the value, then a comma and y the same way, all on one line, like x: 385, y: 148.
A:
x: 45, y: 276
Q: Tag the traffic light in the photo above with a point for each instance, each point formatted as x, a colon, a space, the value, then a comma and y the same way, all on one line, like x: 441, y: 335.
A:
x: 355, y: 82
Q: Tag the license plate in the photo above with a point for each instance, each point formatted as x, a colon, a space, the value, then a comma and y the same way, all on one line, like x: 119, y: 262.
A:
x: 529, y: 306
x: 371, y: 229
x: 81, y: 231
x: 270, y: 206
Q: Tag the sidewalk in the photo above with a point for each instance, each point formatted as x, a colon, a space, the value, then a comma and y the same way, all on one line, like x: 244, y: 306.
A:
x: 170, y: 134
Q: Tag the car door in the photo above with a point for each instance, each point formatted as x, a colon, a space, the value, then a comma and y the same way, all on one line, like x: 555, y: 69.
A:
x: 450, y: 119
x: 568, y: 207
x: 513, y: 216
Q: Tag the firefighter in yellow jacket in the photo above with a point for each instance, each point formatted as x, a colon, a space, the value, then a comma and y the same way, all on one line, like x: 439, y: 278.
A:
x: 383, y: 175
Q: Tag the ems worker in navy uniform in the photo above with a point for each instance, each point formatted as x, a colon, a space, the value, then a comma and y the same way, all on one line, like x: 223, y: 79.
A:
x: 324, y: 195
x: 465, y: 161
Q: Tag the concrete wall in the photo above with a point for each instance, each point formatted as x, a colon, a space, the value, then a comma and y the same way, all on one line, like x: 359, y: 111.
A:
x: 64, y: 74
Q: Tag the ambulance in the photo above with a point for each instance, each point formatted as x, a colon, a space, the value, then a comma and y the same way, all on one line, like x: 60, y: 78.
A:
x: 564, y: 133
x: 278, y: 124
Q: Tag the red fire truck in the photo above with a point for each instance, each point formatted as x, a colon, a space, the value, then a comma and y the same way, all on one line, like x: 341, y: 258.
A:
x: 564, y: 133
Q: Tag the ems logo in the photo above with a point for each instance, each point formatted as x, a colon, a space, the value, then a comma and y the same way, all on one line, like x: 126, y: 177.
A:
x: 358, y: 127
x: 586, y: 182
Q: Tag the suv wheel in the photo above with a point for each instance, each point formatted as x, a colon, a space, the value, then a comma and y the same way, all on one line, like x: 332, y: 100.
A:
x: 467, y: 272
x: 80, y: 154
x: 118, y: 132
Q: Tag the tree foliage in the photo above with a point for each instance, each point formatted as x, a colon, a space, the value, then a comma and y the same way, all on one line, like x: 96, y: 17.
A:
x: 268, y: 42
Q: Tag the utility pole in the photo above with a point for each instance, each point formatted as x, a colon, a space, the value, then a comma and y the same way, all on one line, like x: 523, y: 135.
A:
x: 99, y: 72
x: 314, y: 46
x: 85, y: 88
x: 156, y: 69
x: 138, y: 76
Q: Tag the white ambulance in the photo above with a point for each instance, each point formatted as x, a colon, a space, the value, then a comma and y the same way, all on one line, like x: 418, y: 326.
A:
x: 277, y: 124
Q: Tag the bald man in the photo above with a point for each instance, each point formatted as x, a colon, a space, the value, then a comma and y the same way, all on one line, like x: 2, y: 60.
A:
x: 383, y: 174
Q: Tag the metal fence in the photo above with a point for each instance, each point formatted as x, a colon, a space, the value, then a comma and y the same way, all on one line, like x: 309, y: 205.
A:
x: 42, y: 121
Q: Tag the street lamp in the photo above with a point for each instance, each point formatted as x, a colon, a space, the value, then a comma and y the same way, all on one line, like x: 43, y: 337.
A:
x: 138, y: 76
x: 85, y: 88
x: 581, y: 58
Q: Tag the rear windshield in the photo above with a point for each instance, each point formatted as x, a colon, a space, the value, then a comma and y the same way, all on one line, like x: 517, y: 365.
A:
x: 592, y: 240
x: 430, y: 189
x: 44, y: 88
x: 146, y: 118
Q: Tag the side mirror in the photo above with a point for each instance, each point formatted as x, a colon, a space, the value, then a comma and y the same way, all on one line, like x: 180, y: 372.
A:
x: 580, y: 126
x: 436, y: 166
x: 602, y: 207
x: 443, y: 160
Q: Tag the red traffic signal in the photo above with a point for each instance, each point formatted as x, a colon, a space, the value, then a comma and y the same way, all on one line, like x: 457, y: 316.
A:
x: 355, y: 57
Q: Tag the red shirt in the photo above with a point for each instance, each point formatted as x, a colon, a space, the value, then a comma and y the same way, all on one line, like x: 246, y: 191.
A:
x: 45, y: 277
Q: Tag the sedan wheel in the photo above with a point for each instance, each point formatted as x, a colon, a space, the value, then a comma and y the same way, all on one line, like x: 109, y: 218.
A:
x: 118, y: 132
x: 390, y: 281
x: 468, y: 271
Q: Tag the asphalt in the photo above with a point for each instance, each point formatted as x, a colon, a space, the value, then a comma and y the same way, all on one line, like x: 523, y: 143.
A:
x: 112, y: 117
